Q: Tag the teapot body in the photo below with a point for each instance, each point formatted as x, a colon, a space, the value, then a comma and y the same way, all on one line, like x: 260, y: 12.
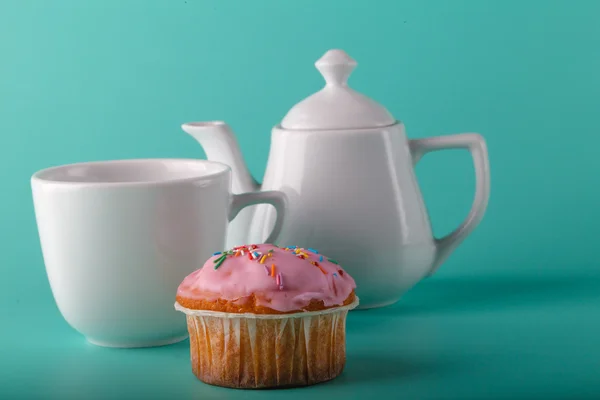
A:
x: 347, y: 169
x: 352, y: 195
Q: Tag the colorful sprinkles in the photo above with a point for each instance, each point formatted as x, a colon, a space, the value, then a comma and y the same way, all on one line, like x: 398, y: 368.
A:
x: 316, y: 264
x: 261, y: 258
x: 220, y: 261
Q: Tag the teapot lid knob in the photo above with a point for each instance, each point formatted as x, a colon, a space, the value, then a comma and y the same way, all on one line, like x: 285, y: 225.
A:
x: 336, y: 66
x: 336, y: 106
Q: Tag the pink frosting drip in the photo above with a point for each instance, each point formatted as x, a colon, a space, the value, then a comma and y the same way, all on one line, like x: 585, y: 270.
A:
x: 300, y: 281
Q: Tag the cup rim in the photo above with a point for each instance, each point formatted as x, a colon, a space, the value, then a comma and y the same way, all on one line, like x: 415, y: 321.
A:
x: 38, y: 176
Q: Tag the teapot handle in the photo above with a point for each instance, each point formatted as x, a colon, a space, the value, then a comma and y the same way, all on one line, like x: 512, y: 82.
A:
x: 475, y: 143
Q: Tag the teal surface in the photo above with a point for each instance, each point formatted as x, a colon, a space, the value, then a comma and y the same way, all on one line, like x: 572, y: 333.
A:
x: 514, y: 312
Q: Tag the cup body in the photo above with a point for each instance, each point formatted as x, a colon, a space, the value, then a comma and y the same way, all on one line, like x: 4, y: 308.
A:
x: 118, y: 237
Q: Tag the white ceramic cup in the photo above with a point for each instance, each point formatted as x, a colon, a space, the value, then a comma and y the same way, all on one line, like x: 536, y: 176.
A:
x: 118, y: 237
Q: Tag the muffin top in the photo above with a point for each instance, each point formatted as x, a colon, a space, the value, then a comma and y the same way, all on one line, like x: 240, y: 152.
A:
x: 266, y: 279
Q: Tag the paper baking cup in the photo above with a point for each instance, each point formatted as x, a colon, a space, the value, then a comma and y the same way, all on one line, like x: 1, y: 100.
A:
x: 255, y: 351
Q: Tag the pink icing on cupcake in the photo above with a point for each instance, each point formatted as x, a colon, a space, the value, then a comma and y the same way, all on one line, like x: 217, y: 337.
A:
x: 284, y: 279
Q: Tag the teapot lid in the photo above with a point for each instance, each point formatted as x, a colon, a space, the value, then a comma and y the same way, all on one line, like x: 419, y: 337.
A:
x: 336, y: 106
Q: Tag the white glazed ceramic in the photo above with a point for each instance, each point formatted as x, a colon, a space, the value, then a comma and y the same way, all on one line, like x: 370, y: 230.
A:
x: 118, y: 237
x: 347, y: 168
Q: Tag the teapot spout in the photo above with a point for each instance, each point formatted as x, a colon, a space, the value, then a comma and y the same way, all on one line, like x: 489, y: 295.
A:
x: 219, y: 144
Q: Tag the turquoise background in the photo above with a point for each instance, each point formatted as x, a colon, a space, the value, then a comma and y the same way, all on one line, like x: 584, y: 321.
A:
x: 513, y: 313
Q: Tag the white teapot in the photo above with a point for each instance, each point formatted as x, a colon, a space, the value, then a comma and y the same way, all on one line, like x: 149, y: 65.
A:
x: 346, y: 166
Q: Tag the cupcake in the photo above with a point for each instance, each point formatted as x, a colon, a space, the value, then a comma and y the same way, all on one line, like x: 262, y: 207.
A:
x: 260, y: 316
